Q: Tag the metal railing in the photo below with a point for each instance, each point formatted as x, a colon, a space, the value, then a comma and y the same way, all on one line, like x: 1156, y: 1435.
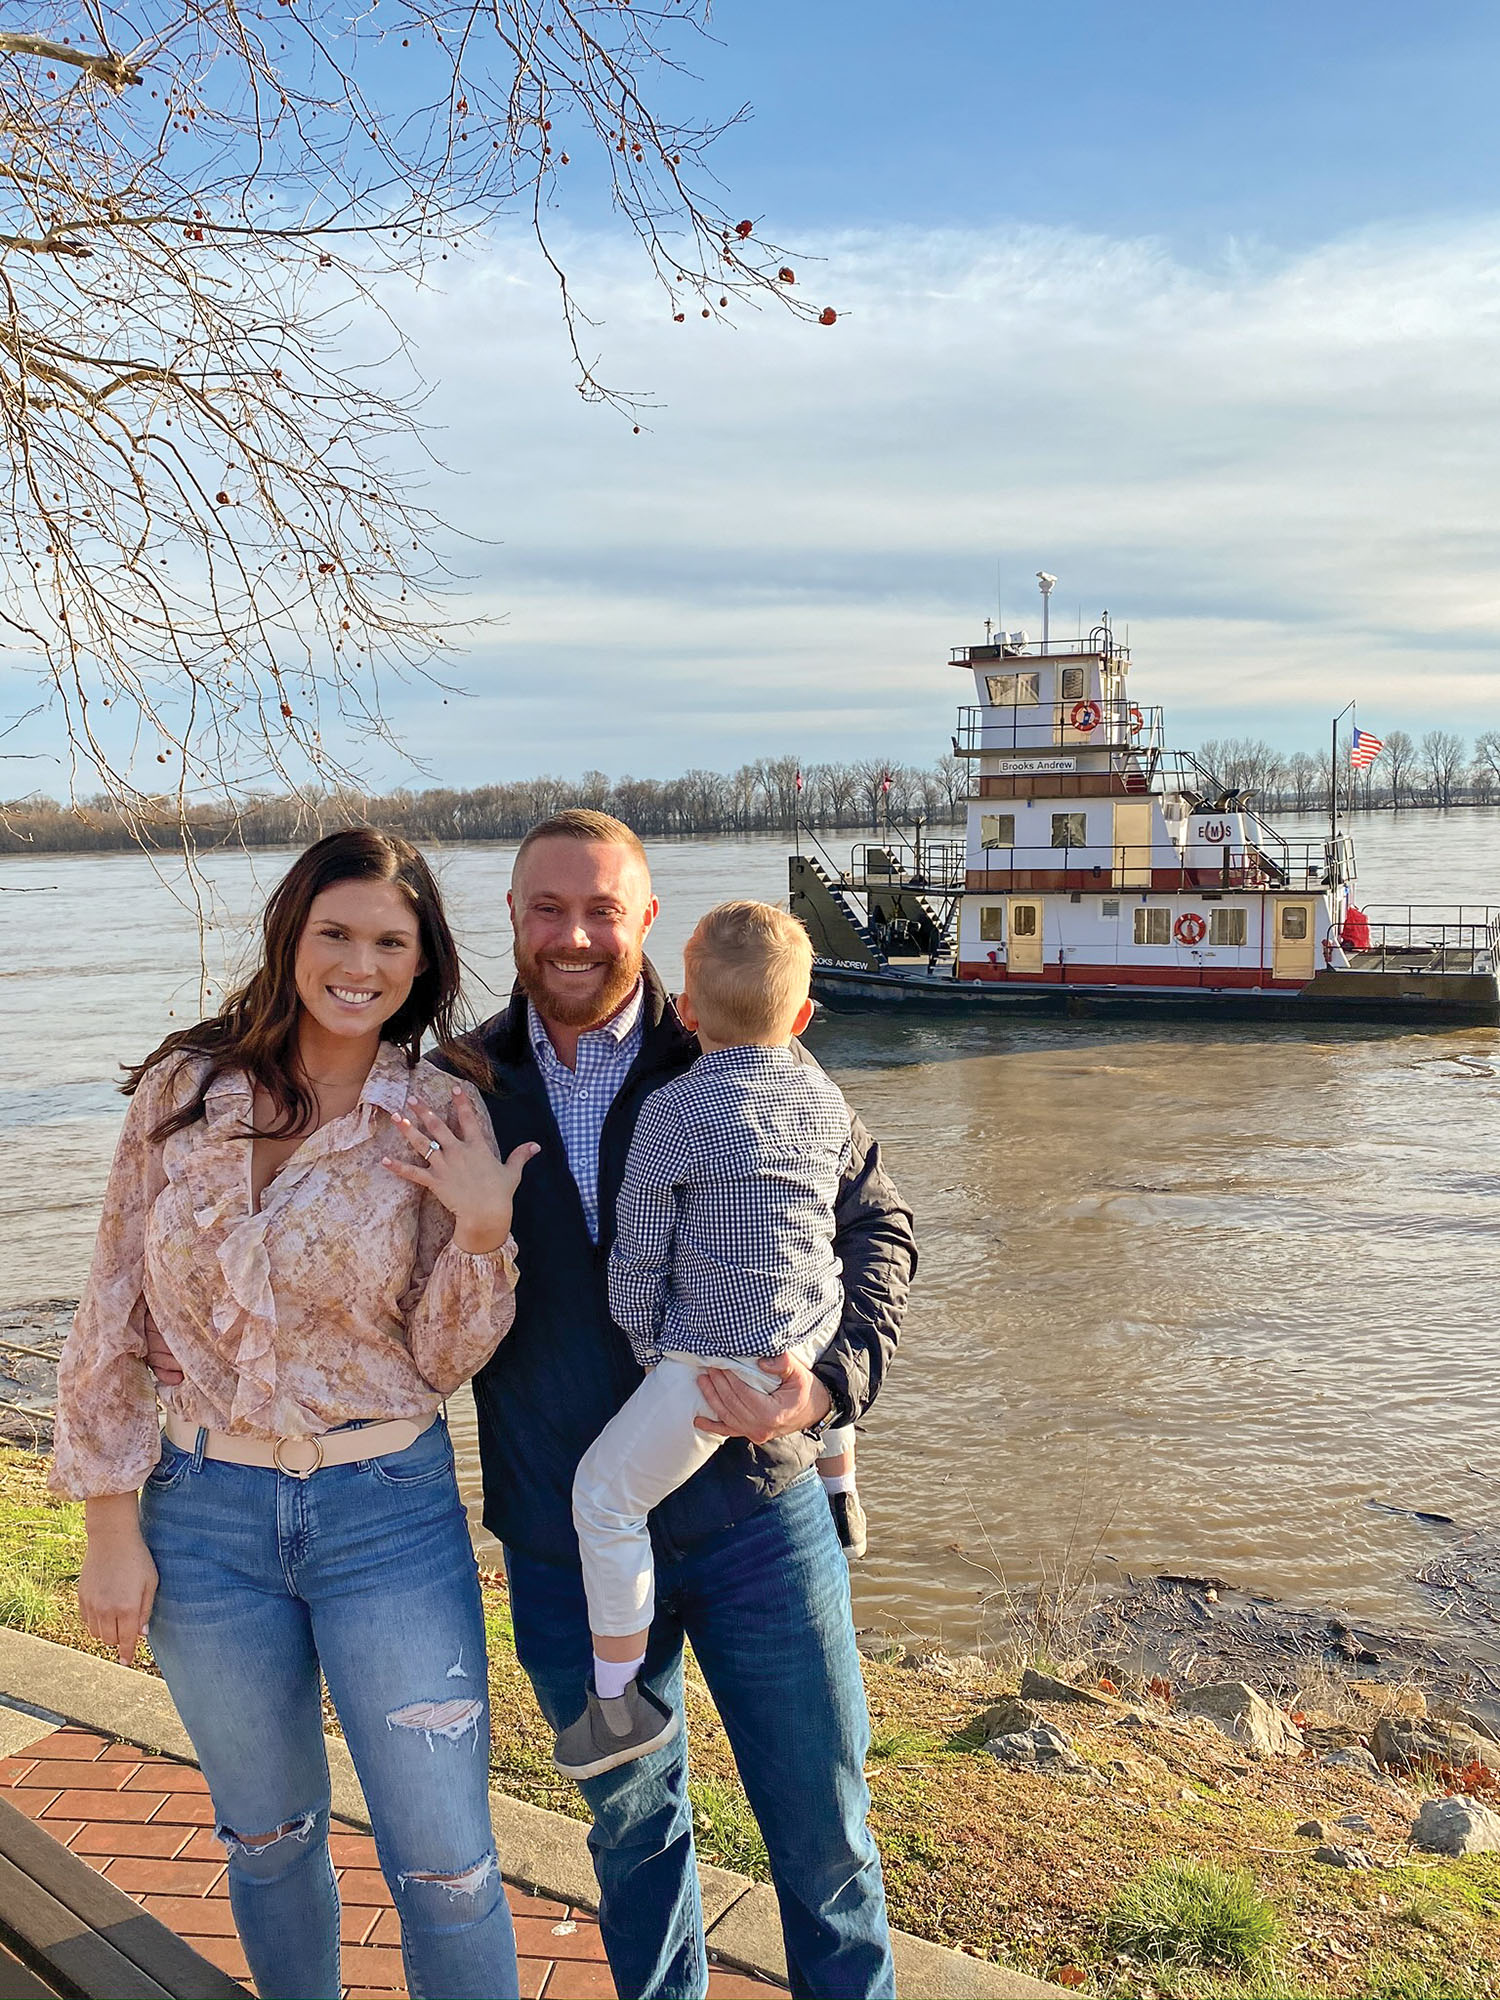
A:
x: 1215, y: 796
x: 1000, y: 648
x: 1430, y: 931
x: 804, y: 830
x: 897, y: 863
x: 1297, y: 865
x: 1113, y: 723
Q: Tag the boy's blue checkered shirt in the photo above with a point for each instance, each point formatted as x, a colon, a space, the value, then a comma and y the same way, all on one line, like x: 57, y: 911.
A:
x: 724, y: 1225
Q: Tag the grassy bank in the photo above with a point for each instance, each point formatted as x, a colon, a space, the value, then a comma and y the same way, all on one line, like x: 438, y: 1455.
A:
x: 1169, y: 1866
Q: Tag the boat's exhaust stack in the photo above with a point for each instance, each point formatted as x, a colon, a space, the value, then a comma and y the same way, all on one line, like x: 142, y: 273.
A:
x: 1045, y: 581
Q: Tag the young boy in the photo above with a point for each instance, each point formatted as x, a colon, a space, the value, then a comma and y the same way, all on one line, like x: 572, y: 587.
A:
x: 723, y: 1253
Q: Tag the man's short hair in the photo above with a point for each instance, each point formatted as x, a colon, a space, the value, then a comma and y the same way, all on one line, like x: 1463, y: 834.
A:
x: 749, y: 966
x: 583, y: 823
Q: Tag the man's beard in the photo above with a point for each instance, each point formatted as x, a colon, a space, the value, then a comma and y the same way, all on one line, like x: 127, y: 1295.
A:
x: 554, y: 1002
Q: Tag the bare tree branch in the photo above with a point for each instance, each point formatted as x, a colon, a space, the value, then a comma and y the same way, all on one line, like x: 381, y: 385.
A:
x: 216, y: 545
x: 106, y: 65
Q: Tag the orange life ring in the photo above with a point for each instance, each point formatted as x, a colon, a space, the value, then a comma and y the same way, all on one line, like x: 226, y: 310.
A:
x: 1190, y: 928
x: 1137, y: 720
x: 1085, y: 715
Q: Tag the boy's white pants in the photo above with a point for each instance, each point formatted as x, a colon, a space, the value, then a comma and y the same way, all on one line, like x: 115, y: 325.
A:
x: 646, y: 1451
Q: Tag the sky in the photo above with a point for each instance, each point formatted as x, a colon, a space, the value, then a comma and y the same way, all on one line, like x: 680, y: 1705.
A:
x: 1194, y: 124
x: 1197, y: 307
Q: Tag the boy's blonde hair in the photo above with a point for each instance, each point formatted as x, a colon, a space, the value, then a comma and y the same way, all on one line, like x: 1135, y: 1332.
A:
x: 749, y: 966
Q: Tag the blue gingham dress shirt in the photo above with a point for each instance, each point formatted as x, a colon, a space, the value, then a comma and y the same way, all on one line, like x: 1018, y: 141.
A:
x: 581, y: 1097
x: 724, y: 1225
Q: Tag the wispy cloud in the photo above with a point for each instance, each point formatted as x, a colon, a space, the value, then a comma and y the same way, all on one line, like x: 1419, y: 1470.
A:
x: 1281, y: 470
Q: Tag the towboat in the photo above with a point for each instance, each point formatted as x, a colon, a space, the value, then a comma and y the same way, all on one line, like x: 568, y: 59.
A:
x: 1102, y: 873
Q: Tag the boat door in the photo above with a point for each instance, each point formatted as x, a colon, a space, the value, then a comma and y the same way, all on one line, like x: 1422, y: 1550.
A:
x: 1133, y: 844
x: 1024, y: 923
x: 1294, y: 947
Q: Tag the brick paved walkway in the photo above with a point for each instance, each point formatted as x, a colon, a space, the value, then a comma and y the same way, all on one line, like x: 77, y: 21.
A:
x: 146, y: 1823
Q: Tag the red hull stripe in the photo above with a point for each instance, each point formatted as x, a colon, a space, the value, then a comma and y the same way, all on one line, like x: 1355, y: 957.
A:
x: 1071, y: 974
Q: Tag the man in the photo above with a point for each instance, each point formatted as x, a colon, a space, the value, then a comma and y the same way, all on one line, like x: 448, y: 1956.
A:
x: 748, y: 1564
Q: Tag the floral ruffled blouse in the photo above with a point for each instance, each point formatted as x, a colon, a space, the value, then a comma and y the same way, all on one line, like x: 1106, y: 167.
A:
x: 342, y: 1296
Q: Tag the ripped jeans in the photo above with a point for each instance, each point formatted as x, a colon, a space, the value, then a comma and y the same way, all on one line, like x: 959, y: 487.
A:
x: 366, y: 1571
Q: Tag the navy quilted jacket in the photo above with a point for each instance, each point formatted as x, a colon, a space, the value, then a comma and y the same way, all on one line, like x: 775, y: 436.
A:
x: 565, y: 1367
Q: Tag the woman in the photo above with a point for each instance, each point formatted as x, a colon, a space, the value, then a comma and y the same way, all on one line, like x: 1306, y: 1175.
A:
x: 299, y: 1510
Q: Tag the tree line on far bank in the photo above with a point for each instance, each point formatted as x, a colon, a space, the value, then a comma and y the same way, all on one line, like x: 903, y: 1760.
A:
x: 1440, y: 769
x: 1437, y: 769
x: 761, y: 797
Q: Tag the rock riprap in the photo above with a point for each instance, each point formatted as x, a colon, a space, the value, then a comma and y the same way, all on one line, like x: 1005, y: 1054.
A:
x: 1042, y: 1687
x: 1456, y: 1826
x: 1238, y: 1711
x: 1453, y: 1711
x: 1409, y: 1741
x: 1008, y: 1717
x: 1354, y: 1757
x: 1042, y: 1748
x: 961, y: 1668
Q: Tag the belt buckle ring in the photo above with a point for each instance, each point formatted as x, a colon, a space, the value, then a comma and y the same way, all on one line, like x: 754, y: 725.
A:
x: 292, y: 1471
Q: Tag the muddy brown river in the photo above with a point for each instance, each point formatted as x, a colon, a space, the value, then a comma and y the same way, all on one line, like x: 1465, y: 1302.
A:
x: 1207, y: 1298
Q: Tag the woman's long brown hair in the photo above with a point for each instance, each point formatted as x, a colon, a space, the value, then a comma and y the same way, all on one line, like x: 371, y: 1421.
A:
x: 256, y: 1028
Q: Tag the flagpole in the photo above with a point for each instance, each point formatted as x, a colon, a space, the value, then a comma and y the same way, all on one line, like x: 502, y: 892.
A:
x: 1333, y: 777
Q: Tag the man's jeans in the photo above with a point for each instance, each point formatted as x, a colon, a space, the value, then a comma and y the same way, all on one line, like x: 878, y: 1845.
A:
x: 766, y: 1606
x: 366, y: 1570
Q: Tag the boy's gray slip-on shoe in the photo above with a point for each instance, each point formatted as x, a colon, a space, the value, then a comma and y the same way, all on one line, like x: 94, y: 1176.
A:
x: 613, y: 1732
x: 849, y: 1519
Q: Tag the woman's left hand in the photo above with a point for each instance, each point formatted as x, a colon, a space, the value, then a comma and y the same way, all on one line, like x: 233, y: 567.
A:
x: 462, y: 1171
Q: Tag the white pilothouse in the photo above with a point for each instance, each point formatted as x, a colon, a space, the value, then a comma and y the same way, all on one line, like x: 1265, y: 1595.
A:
x: 1101, y: 870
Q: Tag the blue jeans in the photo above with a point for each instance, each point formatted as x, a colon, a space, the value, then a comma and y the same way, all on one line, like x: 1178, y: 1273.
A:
x: 766, y: 1606
x: 366, y: 1571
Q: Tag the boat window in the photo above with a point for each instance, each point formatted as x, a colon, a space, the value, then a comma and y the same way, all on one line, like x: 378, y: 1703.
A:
x: 1071, y: 684
x: 1109, y: 906
x: 1153, y: 926
x: 1023, y: 920
x: 991, y: 923
x: 1294, y: 921
x: 1226, y: 926
x: 1013, y: 690
x: 1070, y: 830
x: 997, y: 830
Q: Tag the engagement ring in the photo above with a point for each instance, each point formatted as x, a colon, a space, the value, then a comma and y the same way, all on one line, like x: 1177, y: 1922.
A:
x: 432, y: 1147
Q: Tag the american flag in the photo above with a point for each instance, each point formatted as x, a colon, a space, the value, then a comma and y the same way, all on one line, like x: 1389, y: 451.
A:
x: 1364, y: 749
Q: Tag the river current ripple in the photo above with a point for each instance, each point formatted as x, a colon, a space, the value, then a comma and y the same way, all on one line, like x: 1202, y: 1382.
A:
x: 1192, y: 1298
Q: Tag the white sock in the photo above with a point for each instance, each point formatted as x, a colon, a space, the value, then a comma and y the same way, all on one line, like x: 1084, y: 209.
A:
x: 612, y: 1677
x: 838, y: 1482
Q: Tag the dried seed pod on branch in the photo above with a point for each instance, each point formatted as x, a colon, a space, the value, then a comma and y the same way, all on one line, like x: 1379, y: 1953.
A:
x: 216, y: 541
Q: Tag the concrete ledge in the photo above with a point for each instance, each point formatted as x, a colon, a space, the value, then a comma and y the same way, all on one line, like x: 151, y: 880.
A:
x: 115, y: 1700
x: 19, y: 1730
x: 923, y: 1968
x: 539, y: 1850
x: 545, y: 1851
x: 750, y: 1935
